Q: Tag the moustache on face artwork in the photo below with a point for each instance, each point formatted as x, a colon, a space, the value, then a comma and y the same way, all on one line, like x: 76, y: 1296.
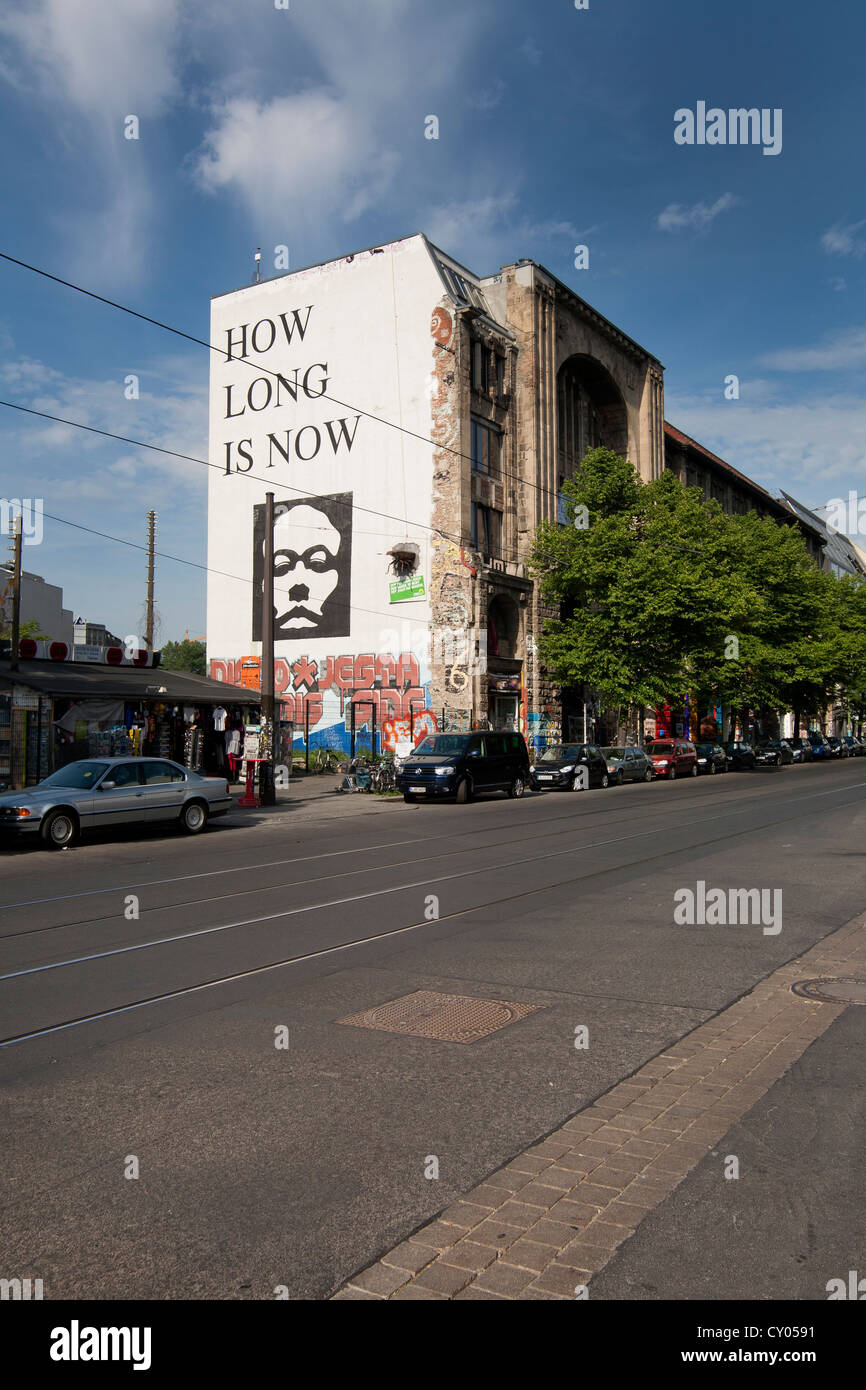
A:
x: 306, y: 573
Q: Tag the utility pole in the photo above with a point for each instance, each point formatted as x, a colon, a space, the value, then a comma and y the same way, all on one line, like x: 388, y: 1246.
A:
x: 268, y: 738
x: 16, y: 593
x: 151, y: 538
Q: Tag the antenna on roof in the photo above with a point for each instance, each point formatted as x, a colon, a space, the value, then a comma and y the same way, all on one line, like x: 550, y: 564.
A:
x: 258, y: 260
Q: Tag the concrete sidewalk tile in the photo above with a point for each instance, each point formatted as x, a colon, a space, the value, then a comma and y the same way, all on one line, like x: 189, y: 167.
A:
x: 551, y: 1149
x: 530, y: 1294
x: 577, y: 1163
x: 572, y: 1210
x: 443, y: 1278
x: 618, y: 1177
x: 505, y: 1279
x: 490, y: 1194
x: 590, y: 1193
x: 410, y: 1256
x: 497, y: 1233
x: 465, y: 1214
x: 349, y: 1292
x: 473, y: 1293
x: 561, y: 1279
x: 562, y: 1178
x: 528, y: 1254
x: 438, y: 1235
x: 643, y: 1148
x: 380, y: 1279
x: 413, y: 1292
x: 624, y: 1213
x: 469, y: 1254
x: 620, y: 1163
x: 520, y: 1214
x: 528, y: 1163
x: 604, y: 1234
x: 579, y: 1254
x: 538, y: 1195
x: 582, y: 1124
x: 556, y: 1233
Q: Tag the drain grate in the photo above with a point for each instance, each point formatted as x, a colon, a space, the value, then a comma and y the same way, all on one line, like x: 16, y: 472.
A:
x: 848, y: 990
x: 444, y: 1017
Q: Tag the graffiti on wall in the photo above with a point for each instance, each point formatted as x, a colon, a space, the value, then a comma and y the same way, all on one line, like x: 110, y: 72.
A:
x: 389, y: 684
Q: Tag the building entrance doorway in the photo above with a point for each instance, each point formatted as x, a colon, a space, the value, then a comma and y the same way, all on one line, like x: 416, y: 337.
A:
x: 504, y: 711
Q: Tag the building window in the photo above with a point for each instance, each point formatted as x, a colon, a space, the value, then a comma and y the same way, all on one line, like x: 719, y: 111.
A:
x: 500, y: 376
x: 486, y: 530
x: 486, y: 446
x: 481, y: 368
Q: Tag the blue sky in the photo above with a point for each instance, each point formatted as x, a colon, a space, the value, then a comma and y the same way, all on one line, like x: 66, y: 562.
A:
x: 305, y: 127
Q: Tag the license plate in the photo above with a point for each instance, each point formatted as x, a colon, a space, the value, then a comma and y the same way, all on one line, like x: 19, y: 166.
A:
x: 545, y: 776
x: 417, y: 789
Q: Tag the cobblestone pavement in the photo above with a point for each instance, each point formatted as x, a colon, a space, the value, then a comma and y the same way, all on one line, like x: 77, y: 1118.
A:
x: 545, y: 1224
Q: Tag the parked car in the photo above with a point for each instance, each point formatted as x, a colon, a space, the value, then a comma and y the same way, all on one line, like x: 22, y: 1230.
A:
x: 711, y: 758
x: 672, y: 758
x: 839, y: 747
x: 628, y: 764
x: 464, y: 765
x: 801, y: 748
x: 856, y: 746
x: 821, y: 748
x: 741, y: 756
x: 95, y: 792
x: 571, y: 767
x: 774, y: 752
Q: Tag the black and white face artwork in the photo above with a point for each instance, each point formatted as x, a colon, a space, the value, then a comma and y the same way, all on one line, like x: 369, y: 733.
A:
x: 312, y: 567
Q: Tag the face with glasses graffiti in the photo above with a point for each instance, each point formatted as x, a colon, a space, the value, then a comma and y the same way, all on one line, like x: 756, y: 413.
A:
x: 311, y: 568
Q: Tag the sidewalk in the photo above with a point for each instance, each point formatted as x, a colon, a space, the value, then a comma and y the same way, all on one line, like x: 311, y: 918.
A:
x: 318, y: 790
x: 547, y: 1224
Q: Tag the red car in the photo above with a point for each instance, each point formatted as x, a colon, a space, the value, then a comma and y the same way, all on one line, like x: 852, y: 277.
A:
x: 673, y: 757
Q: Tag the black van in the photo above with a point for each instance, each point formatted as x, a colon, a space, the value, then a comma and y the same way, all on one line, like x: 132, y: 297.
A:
x: 460, y: 765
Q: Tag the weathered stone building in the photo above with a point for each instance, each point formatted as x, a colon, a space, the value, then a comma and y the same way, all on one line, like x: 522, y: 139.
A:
x: 416, y: 422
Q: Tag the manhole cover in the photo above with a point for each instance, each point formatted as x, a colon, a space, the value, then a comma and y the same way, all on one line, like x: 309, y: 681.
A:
x: 844, y: 991
x: 445, y: 1017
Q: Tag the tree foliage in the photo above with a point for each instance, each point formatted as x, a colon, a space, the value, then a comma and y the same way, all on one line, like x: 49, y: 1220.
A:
x: 662, y: 592
x: 184, y: 656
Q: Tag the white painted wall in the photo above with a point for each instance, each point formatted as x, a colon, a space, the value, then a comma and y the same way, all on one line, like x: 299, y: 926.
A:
x: 369, y: 324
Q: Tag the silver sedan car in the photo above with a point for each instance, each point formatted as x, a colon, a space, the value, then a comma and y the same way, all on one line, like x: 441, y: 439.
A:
x: 97, y: 792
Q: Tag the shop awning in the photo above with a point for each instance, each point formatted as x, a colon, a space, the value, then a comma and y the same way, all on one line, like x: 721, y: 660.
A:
x: 86, y: 680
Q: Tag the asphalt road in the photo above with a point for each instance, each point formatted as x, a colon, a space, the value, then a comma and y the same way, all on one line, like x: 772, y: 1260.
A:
x: 151, y: 1037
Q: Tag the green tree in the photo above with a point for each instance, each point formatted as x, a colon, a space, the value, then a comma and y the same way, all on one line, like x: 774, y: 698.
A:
x: 184, y: 656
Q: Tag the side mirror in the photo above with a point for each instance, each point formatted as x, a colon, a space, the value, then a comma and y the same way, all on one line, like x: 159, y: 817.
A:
x: 107, y: 786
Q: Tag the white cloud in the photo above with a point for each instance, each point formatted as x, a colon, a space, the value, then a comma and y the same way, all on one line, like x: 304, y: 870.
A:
x: 812, y: 448
x: 296, y: 160
x: 841, y: 352
x: 492, y: 231
x: 531, y: 52
x: 108, y: 57
x: 675, y: 217
x: 843, y: 241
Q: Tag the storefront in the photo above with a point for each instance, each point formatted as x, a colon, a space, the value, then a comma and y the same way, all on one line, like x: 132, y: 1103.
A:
x: 53, y: 712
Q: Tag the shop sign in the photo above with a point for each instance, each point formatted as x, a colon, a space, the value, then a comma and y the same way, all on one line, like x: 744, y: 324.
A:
x: 22, y: 698
x: 412, y: 586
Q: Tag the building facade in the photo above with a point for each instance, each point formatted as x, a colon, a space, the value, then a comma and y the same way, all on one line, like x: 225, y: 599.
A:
x: 415, y: 423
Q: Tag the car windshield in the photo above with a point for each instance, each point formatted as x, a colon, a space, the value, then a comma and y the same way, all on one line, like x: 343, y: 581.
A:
x: 78, y: 775
x: 449, y: 744
x: 563, y: 752
x: 614, y: 753
x: 661, y: 748
x: 705, y: 748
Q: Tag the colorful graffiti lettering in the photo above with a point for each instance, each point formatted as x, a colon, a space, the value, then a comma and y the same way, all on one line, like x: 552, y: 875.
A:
x: 301, y: 684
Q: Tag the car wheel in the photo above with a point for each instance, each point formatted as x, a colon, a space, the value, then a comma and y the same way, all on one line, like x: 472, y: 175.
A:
x: 618, y: 780
x: 605, y: 780
x: 193, y: 817
x: 648, y: 775
x: 517, y: 788
x: 59, y: 829
x: 694, y: 771
x: 462, y: 795
x: 673, y: 774
x: 408, y: 798
x: 712, y: 769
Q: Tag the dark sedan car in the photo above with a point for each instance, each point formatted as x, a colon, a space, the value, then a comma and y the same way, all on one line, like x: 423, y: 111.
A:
x: 774, y: 752
x: 856, y: 746
x: 571, y: 767
x: 741, y: 756
x: 628, y: 764
x: 801, y: 748
x: 839, y: 746
x: 711, y: 758
x: 97, y: 792
x: 821, y: 749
